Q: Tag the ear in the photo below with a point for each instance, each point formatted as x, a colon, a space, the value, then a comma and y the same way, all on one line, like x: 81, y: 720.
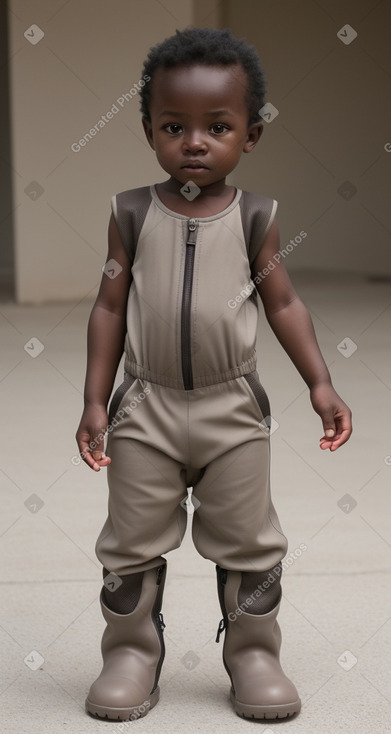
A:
x: 148, y: 131
x: 254, y: 133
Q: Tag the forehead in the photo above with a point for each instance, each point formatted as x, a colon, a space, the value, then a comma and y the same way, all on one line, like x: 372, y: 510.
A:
x: 199, y: 85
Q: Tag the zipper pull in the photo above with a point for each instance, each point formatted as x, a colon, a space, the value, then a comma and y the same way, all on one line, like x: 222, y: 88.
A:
x: 192, y: 231
x: 220, y: 629
x: 161, y: 621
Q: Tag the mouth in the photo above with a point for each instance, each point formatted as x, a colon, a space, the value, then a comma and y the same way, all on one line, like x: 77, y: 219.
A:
x: 194, y: 165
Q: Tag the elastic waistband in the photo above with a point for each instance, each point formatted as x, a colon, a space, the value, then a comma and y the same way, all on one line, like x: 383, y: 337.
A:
x: 136, y: 370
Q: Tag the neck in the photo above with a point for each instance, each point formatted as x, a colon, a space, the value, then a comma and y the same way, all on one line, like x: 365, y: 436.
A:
x: 172, y: 186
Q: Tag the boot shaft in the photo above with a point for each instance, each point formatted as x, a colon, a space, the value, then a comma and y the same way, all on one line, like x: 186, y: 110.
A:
x: 140, y: 629
x: 132, y: 647
x: 240, y: 626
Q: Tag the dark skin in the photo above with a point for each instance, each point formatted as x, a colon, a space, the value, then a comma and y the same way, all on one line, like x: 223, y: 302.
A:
x: 199, y: 128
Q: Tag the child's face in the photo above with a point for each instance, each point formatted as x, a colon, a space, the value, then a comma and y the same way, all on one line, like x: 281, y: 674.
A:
x: 199, y: 122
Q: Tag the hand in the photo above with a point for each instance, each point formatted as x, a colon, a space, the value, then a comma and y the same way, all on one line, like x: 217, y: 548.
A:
x: 91, y: 430
x: 335, y: 414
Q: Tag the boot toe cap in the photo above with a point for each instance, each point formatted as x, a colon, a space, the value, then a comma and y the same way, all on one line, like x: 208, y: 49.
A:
x: 268, y: 691
x: 117, y: 692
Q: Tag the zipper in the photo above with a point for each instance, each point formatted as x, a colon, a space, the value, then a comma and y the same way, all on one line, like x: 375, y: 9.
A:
x: 223, y: 624
x: 159, y: 574
x: 222, y: 580
x: 187, y: 372
x: 158, y: 621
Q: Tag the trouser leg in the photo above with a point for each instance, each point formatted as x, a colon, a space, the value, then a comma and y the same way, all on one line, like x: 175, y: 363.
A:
x: 145, y: 516
x: 235, y: 524
x: 145, y: 519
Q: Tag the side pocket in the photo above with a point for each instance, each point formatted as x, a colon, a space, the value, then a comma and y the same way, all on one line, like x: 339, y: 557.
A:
x: 119, y: 394
x: 259, y: 394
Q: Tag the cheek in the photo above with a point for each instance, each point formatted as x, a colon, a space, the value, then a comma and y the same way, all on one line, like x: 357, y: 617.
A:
x: 233, y: 150
x: 164, y: 143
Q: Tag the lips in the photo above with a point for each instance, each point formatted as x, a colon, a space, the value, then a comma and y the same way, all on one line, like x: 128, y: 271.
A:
x: 194, y: 165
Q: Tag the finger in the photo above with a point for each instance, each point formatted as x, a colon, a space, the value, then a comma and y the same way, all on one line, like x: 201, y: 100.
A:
x: 335, y: 443
x: 85, y: 454
x: 100, y: 458
x: 93, y: 458
x: 98, y: 454
x: 329, y: 428
x: 344, y: 431
x: 90, y: 460
x: 329, y: 432
x: 96, y: 463
x: 101, y: 463
x: 325, y: 444
x: 341, y: 439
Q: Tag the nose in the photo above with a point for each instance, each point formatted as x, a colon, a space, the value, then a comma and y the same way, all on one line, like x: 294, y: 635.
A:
x: 194, y: 142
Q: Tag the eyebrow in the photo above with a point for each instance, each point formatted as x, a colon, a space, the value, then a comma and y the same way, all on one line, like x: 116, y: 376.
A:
x: 213, y: 113
x: 221, y: 112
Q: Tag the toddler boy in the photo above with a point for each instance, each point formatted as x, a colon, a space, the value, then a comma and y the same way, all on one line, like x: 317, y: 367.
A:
x: 189, y: 256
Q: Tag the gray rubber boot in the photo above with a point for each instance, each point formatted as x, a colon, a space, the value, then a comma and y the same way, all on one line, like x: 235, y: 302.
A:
x: 259, y: 687
x: 133, y: 652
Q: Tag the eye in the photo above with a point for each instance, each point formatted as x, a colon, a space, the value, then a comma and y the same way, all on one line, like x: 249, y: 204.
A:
x: 219, y: 128
x: 173, y: 129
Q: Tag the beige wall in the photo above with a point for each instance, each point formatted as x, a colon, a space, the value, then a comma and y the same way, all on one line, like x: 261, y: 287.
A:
x: 91, y: 53
x: 333, y: 123
x: 334, y: 118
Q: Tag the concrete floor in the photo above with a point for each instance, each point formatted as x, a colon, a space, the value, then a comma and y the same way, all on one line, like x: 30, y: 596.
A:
x: 336, y: 609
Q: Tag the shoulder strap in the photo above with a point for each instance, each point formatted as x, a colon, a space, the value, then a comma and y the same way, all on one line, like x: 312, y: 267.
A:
x: 257, y: 213
x: 130, y: 209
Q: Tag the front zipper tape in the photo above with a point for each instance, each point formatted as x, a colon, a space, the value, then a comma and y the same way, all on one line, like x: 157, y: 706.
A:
x: 187, y: 371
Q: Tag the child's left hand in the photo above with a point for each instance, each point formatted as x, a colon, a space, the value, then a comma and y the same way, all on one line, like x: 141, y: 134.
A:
x: 335, y: 414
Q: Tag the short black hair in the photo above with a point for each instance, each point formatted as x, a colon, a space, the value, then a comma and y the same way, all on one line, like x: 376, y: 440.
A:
x: 212, y: 47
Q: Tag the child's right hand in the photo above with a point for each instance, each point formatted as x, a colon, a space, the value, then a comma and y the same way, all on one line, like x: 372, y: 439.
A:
x: 91, y: 430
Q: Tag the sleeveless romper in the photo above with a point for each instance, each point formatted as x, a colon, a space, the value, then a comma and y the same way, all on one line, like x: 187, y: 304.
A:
x: 191, y: 411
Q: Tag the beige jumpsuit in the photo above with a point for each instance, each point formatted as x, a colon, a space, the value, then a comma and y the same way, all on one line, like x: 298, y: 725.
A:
x: 191, y: 411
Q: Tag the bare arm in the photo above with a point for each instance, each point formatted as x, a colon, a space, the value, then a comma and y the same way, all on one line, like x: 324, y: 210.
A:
x: 290, y: 320
x: 105, y: 345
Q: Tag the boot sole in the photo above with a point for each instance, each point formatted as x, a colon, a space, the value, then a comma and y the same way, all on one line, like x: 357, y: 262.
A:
x: 123, y: 714
x: 250, y: 711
